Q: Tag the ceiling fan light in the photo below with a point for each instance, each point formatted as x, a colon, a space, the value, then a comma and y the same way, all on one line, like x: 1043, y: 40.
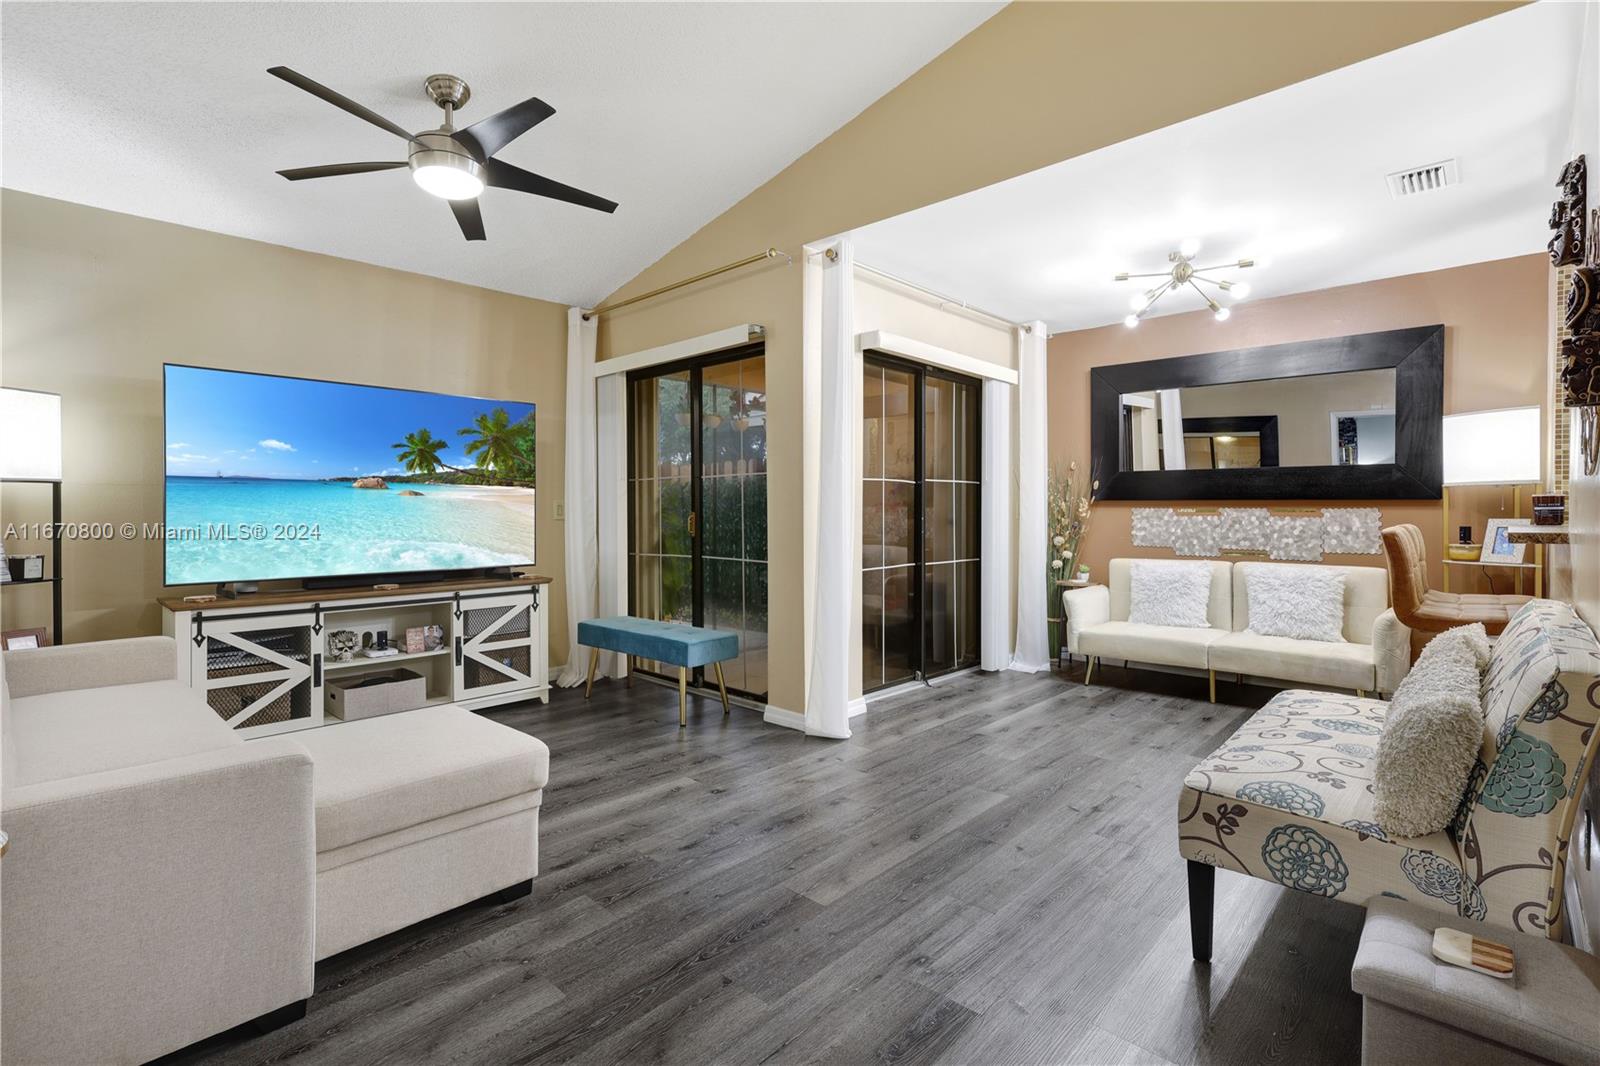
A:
x: 448, y: 181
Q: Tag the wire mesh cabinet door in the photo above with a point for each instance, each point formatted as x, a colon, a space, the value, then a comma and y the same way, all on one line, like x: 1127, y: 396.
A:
x: 498, y: 646
x: 262, y: 675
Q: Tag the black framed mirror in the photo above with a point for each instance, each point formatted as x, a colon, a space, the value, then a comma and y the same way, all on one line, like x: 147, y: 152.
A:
x: 1340, y: 418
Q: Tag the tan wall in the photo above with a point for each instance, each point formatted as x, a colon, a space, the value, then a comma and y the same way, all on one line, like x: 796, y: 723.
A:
x: 1496, y: 322
x: 94, y: 302
x: 1034, y: 85
x: 883, y: 305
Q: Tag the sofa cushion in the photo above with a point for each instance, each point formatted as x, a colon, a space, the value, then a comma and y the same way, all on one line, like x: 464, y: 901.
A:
x: 1303, y: 602
x: 1308, y: 662
x: 1287, y: 799
x: 87, y: 731
x: 1166, y: 593
x: 382, y: 775
x: 1431, y: 736
x: 1163, y: 645
x: 1219, y: 608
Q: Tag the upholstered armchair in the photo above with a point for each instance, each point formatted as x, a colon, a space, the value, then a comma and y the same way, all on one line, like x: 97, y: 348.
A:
x: 1427, y: 612
x: 1288, y: 798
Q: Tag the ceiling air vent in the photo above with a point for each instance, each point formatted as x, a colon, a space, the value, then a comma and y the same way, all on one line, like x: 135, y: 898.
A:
x: 1405, y: 183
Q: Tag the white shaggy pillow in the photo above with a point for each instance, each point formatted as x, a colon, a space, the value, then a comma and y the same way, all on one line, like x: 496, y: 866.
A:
x: 1304, y: 602
x: 1431, y: 736
x: 1162, y: 592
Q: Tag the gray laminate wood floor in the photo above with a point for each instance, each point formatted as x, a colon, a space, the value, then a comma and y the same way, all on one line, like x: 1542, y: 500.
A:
x: 987, y: 873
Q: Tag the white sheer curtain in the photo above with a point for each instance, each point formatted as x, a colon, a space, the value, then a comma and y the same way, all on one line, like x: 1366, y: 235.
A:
x: 579, y: 481
x: 838, y: 497
x: 1171, y: 407
x: 994, y: 619
x: 1033, y: 525
x: 611, y: 506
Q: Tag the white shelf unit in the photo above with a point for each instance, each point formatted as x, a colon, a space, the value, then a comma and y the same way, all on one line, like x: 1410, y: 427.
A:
x: 263, y: 667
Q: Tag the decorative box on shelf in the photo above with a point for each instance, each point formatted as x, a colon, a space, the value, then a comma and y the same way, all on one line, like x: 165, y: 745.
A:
x: 355, y: 696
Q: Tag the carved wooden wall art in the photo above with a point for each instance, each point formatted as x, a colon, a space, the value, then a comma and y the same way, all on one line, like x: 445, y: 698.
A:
x: 1569, y: 213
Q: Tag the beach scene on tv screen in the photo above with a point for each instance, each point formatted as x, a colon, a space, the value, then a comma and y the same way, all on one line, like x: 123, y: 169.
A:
x: 273, y: 477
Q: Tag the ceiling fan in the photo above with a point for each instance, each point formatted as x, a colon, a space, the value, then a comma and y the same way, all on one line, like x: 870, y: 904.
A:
x: 452, y: 164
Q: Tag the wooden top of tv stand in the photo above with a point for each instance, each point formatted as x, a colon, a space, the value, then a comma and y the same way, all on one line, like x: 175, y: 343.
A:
x: 290, y: 597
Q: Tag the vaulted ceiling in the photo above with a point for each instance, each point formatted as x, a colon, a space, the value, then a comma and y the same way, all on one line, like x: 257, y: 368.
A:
x: 676, y: 111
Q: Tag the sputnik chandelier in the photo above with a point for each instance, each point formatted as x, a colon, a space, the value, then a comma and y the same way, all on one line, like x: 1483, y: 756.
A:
x: 1184, y: 273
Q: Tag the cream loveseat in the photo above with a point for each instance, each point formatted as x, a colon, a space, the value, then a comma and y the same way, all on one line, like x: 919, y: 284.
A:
x: 1289, y: 797
x: 167, y: 881
x: 1374, y: 655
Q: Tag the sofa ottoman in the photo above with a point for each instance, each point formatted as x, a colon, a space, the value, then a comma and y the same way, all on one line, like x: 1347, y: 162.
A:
x: 417, y: 813
x: 1418, y: 1009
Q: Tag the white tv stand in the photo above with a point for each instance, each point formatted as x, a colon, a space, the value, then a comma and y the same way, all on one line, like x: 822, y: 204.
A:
x: 262, y: 660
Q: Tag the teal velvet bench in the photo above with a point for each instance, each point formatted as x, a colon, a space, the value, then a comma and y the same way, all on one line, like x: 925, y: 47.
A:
x: 666, y: 642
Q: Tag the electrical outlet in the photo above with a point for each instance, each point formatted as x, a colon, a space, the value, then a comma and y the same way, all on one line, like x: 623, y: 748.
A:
x: 561, y: 511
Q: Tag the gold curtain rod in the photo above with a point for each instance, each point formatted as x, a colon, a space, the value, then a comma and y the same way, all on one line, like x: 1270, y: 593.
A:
x: 770, y: 253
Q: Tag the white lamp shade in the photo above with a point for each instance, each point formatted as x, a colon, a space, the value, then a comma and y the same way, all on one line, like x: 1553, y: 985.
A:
x: 30, y: 435
x: 1492, y: 447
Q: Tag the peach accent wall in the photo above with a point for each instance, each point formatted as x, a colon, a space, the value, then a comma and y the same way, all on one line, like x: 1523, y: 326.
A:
x: 1496, y: 334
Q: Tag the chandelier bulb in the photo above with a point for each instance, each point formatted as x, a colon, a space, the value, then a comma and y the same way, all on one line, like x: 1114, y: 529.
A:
x: 1222, y: 314
x: 1136, y: 302
x: 1189, y: 248
x: 1131, y: 321
x: 1240, y: 290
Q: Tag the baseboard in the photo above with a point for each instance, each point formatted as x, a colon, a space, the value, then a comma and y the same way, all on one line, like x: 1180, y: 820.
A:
x: 788, y: 719
x: 858, y: 706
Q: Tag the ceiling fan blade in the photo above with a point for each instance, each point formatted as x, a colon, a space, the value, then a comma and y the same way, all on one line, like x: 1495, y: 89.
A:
x: 333, y: 170
x: 488, y: 136
x: 505, y: 176
x: 470, y: 218
x: 300, y: 81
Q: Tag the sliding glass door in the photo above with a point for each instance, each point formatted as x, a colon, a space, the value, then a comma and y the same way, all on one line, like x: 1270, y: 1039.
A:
x: 920, y: 511
x: 697, y: 480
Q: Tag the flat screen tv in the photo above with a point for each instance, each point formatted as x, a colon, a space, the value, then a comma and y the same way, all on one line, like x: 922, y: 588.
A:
x: 271, y: 477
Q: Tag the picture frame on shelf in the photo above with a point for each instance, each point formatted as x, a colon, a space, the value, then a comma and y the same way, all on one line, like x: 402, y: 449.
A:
x: 18, y: 639
x: 1497, y: 546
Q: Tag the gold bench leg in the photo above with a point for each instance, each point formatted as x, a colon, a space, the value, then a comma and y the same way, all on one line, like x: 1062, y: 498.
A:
x: 683, y: 696
x: 722, y: 686
x: 594, y: 660
x: 1213, y: 676
x: 1361, y: 693
x: 1088, y: 668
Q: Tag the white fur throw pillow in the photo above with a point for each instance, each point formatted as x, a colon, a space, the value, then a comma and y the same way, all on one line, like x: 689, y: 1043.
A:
x: 1431, y: 736
x: 1163, y: 592
x: 1304, y: 602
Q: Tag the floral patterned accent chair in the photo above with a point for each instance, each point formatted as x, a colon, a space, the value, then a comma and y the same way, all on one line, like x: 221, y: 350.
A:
x: 1289, y: 797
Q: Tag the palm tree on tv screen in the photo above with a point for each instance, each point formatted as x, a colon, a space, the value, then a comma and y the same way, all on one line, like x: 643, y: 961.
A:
x: 502, y: 450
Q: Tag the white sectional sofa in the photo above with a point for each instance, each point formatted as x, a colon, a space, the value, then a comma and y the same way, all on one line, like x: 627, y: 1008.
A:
x: 167, y: 880
x: 1374, y: 655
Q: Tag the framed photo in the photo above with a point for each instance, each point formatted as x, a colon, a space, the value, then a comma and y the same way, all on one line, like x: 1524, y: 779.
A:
x: 1497, y: 548
x: 17, y: 639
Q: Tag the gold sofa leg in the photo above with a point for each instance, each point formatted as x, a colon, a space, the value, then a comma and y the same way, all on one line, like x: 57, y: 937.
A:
x: 722, y: 686
x: 594, y: 659
x: 683, y: 696
x: 1088, y: 668
x: 1212, y: 674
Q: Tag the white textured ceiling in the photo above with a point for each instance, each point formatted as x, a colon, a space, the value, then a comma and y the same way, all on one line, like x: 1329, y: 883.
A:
x: 1295, y: 178
x: 676, y: 111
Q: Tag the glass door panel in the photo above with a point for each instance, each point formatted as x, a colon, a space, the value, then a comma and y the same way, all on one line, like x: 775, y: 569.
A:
x: 698, y: 491
x: 888, y: 527
x: 919, y: 527
x: 951, y: 491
